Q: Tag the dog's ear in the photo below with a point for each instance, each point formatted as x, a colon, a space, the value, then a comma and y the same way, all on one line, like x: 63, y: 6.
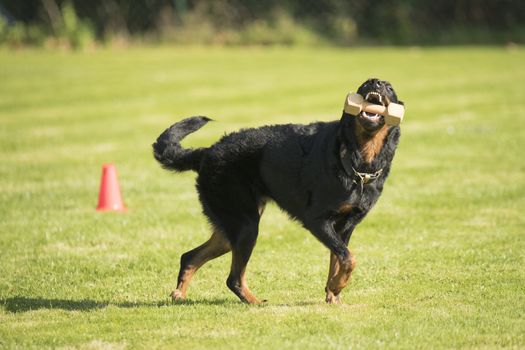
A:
x: 345, y: 119
x: 345, y: 124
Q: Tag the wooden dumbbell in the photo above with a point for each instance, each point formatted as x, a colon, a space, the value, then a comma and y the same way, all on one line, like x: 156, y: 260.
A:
x: 393, y: 113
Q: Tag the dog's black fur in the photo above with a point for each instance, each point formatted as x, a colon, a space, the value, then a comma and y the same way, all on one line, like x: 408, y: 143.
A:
x: 308, y: 170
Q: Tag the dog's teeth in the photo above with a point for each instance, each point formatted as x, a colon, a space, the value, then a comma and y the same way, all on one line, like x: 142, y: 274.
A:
x: 373, y: 93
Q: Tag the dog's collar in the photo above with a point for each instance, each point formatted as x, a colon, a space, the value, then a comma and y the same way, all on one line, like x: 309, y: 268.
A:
x: 357, y: 177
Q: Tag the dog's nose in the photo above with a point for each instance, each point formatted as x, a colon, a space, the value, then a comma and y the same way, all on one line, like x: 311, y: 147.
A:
x: 378, y: 84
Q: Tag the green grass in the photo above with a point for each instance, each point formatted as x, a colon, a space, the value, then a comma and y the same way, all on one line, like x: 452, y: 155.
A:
x: 440, y: 258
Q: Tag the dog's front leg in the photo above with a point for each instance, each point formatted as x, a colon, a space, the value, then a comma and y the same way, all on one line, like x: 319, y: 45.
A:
x: 338, y: 277
x: 344, y: 228
x: 333, y: 270
x: 342, y: 261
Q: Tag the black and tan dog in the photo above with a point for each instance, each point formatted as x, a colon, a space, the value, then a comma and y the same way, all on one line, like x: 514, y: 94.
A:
x: 325, y: 175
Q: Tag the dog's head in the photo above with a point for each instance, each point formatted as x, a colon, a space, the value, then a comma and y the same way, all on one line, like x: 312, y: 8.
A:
x: 378, y: 92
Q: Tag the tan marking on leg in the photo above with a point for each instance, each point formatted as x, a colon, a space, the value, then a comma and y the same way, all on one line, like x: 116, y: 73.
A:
x: 247, y: 294
x: 334, y: 269
x: 238, y: 285
x: 216, y: 246
x: 340, y: 280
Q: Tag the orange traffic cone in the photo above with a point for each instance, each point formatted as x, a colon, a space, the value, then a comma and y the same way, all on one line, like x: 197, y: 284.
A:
x: 109, y: 198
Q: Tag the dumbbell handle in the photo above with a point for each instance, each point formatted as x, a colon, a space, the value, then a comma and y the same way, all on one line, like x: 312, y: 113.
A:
x: 373, y: 108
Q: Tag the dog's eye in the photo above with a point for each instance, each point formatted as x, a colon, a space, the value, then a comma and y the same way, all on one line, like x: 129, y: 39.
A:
x: 389, y: 88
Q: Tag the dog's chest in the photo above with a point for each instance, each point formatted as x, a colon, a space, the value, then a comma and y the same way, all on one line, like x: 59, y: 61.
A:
x: 345, y: 209
x: 357, y: 200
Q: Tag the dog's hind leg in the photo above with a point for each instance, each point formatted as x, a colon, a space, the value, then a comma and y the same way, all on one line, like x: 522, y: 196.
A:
x: 236, y: 207
x: 192, y: 260
x: 241, y: 252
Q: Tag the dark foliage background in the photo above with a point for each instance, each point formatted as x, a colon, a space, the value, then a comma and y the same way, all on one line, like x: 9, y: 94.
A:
x: 335, y: 21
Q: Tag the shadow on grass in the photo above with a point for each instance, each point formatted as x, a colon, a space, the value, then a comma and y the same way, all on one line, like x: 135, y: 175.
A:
x: 23, y: 304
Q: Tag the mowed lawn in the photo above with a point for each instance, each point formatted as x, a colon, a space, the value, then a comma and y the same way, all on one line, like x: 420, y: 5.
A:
x: 440, y: 258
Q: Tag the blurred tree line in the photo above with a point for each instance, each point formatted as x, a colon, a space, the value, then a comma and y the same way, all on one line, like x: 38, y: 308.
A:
x: 341, y: 22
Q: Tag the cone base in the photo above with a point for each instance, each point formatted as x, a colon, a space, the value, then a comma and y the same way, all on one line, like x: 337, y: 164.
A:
x: 111, y: 209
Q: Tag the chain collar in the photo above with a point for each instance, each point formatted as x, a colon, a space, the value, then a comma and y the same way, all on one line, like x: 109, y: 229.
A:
x: 358, y: 178
x: 366, y: 178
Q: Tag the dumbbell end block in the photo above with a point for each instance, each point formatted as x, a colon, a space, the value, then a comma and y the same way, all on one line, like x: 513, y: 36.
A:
x: 395, y: 113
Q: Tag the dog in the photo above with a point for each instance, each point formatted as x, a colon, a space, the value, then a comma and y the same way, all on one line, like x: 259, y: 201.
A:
x: 326, y: 175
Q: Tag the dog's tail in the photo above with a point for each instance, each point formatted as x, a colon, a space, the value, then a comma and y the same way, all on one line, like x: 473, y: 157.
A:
x: 168, y: 151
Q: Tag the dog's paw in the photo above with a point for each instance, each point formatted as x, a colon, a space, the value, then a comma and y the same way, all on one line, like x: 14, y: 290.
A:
x: 331, y: 298
x: 177, y: 295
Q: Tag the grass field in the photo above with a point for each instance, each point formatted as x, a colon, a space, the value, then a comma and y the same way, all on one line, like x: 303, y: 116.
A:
x: 440, y: 258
